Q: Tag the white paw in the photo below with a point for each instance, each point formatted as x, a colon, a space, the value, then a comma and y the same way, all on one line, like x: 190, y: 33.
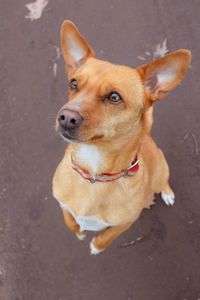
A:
x: 94, y: 250
x: 169, y: 199
x: 81, y: 236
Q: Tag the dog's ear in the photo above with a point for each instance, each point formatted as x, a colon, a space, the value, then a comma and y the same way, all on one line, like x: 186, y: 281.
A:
x: 164, y: 74
x: 75, y: 48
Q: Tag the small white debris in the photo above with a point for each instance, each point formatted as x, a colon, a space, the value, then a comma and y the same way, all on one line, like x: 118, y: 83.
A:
x: 147, y: 53
x: 36, y: 9
x: 55, y: 64
x: 188, y: 278
x: 55, y: 67
x: 141, y: 57
x: 58, y: 52
x: 186, y: 136
x: 161, y: 49
x: 196, y: 145
x: 138, y: 239
x: 2, y: 271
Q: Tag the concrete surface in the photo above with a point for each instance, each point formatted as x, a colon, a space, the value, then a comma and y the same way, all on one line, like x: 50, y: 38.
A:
x: 39, y: 258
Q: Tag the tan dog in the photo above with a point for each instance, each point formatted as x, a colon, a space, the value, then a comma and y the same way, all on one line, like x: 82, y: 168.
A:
x: 112, y: 168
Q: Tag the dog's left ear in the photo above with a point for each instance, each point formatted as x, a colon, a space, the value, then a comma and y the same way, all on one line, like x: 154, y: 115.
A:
x: 75, y: 48
x: 164, y: 74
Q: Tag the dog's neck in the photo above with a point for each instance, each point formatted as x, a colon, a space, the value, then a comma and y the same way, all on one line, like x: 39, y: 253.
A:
x: 106, y: 157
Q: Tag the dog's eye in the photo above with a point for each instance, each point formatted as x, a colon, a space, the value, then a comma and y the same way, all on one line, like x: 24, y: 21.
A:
x: 114, y: 97
x: 73, y: 84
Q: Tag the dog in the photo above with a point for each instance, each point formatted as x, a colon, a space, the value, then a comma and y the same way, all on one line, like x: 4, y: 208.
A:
x: 112, y: 168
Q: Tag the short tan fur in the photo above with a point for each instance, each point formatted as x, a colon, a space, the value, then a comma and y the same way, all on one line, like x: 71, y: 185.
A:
x: 111, y: 134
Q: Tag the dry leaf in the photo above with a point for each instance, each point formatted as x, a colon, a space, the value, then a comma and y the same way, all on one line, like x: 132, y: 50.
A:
x: 36, y: 9
x: 161, y: 49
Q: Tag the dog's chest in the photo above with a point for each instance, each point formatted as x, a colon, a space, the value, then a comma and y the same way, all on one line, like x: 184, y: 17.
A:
x: 88, y: 223
x: 90, y: 155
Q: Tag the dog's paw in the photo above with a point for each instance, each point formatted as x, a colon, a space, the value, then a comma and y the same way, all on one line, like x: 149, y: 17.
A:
x: 93, y: 249
x: 169, y: 199
x: 81, y: 235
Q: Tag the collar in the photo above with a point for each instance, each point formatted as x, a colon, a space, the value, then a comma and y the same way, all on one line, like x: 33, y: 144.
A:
x: 106, y: 177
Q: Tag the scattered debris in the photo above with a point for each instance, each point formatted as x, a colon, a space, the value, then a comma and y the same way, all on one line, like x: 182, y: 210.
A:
x: 190, y: 222
x: 161, y: 49
x: 141, y: 57
x: 2, y: 271
x: 150, y: 258
x: 55, y: 64
x: 55, y: 67
x: 23, y: 243
x: 102, y: 51
x: 186, y: 136
x: 196, y: 146
x: 131, y: 243
x: 147, y: 53
x: 58, y: 52
x: 188, y: 278
x: 2, y: 192
x: 36, y: 9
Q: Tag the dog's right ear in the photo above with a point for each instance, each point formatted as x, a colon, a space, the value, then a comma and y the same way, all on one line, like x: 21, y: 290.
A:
x: 163, y: 74
x: 75, y: 48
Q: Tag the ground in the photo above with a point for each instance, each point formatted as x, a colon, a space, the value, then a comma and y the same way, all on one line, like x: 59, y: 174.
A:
x: 40, y: 259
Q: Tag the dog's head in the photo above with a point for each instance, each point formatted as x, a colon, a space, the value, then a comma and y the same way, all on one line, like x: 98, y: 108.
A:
x: 106, y: 101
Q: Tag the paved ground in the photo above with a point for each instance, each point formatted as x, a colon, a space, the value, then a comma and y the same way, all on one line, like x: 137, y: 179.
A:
x: 39, y: 258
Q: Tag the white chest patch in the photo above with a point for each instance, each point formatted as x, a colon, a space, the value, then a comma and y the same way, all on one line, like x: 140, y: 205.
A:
x: 86, y: 223
x: 90, y: 155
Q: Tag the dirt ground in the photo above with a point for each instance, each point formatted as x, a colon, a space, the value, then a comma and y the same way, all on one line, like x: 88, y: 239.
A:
x: 39, y: 258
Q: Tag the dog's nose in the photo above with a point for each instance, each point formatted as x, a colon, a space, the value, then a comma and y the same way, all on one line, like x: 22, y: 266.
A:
x: 69, y: 119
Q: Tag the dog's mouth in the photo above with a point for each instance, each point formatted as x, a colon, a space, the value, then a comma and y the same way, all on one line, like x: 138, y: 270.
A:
x: 69, y: 138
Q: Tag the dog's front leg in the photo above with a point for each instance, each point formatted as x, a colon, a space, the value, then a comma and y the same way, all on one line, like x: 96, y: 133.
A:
x: 72, y: 225
x: 106, y: 237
